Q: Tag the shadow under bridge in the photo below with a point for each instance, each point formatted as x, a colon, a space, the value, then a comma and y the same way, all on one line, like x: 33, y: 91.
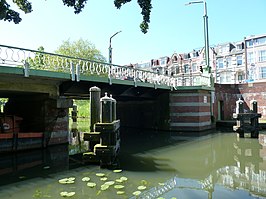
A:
x: 137, y: 106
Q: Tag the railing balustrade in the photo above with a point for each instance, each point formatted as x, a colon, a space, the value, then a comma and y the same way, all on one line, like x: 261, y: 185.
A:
x: 34, y: 59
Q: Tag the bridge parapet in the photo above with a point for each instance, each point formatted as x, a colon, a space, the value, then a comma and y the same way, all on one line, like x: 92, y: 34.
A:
x: 34, y: 59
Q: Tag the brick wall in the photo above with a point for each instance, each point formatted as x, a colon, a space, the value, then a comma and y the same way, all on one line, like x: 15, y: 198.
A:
x: 190, y: 110
x: 229, y: 94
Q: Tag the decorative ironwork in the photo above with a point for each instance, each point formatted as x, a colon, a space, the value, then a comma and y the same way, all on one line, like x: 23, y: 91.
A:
x: 34, y: 59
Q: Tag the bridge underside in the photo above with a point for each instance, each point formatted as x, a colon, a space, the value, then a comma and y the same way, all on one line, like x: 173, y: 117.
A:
x: 120, y: 92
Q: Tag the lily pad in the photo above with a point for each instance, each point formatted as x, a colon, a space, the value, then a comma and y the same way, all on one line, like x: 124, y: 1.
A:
x: 67, y: 181
x: 119, y: 180
x: 117, y: 171
x: 123, y: 178
x: 69, y: 194
x: 144, y: 182
x: 63, y: 193
x: 91, y: 184
x: 70, y: 182
x: 104, y: 179
x: 63, y: 181
x: 142, y: 187
x: 104, y: 187
x: 120, y: 192
x: 119, y: 186
x: 71, y: 179
x: 136, y: 193
x: 100, y: 174
x: 110, y: 183
x: 85, y: 179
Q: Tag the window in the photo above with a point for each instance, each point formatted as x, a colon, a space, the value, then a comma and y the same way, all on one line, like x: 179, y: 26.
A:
x: 240, y: 76
x: 186, y: 56
x: 239, y: 60
x: 195, y: 53
x: 194, y: 67
x: 262, y: 55
x: 249, y: 43
x: 220, y: 63
x: 186, y: 68
x: 263, y: 72
x: 228, y: 77
x: 177, y: 69
x: 222, y: 78
x: 229, y: 62
x: 240, y: 46
x: 250, y: 58
x: 261, y: 41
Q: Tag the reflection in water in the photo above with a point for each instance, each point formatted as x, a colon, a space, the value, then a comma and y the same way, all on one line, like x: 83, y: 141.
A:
x: 220, y: 165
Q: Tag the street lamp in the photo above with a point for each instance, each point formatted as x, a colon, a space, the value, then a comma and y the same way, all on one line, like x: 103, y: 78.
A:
x: 206, y: 33
x: 110, y: 46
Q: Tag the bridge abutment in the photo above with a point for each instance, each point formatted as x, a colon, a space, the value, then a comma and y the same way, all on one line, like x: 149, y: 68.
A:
x: 190, y: 110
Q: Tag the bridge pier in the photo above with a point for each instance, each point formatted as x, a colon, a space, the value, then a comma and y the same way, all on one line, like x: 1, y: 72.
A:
x: 191, y: 110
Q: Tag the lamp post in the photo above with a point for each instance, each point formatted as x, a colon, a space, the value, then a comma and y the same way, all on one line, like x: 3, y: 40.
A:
x: 110, y: 46
x: 206, y: 33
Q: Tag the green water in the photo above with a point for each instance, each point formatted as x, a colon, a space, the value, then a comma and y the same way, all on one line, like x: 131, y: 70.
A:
x: 219, y: 165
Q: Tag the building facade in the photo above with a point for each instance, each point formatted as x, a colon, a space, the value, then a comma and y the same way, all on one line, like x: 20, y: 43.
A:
x: 231, y: 63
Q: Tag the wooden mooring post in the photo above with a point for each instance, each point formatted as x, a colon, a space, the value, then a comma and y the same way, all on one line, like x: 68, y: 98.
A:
x: 247, y: 122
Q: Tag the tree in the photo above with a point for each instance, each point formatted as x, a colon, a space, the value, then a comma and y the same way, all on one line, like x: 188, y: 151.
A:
x: 77, y: 49
x: 80, y: 49
x: 146, y: 7
x: 8, y: 14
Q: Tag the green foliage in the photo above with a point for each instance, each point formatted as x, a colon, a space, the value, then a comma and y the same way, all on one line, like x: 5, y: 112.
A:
x: 38, y: 61
x: 76, y: 49
x: 8, y: 14
x: 145, y: 6
x: 78, y: 5
x: 3, y: 101
x: 80, y: 49
x: 83, y: 108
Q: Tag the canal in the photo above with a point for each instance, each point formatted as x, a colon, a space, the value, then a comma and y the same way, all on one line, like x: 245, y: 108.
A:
x: 153, y: 165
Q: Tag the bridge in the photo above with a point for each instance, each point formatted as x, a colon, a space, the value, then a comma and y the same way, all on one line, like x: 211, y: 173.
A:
x: 40, y: 87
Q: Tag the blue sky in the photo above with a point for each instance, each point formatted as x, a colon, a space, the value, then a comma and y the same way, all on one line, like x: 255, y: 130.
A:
x: 174, y: 27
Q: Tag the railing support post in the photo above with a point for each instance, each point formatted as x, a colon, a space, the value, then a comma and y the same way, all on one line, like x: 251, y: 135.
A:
x: 26, y: 69
x: 78, y: 73
x: 72, y: 70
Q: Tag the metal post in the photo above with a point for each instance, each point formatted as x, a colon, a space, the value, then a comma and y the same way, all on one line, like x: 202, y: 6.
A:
x: 110, y: 46
x: 106, y: 109
x: 113, y: 108
x: 206, y: 37
x: 26, y: 69
x: 206, y: 34
x: 95, y: 95
x: 72, y: 70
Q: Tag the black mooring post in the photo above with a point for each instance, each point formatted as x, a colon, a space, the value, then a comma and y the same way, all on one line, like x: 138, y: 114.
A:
x: 254, y: 120
x: 95, y: 95
x: 240, y: 122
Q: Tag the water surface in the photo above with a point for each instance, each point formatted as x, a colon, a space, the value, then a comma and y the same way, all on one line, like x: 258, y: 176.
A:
x: 218, y: 165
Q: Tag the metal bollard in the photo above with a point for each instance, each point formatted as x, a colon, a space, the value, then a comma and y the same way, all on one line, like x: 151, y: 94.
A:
x: 239, y: 106
x: 253, y: 106
x: 113, y: 108
x: 106, y: 109
x: 95, y: 95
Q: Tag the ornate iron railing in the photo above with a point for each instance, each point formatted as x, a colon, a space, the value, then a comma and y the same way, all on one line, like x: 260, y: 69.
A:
x: 33, y: 59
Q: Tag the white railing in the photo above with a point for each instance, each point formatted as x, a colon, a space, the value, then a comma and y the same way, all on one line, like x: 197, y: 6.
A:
x: 33, y: 59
